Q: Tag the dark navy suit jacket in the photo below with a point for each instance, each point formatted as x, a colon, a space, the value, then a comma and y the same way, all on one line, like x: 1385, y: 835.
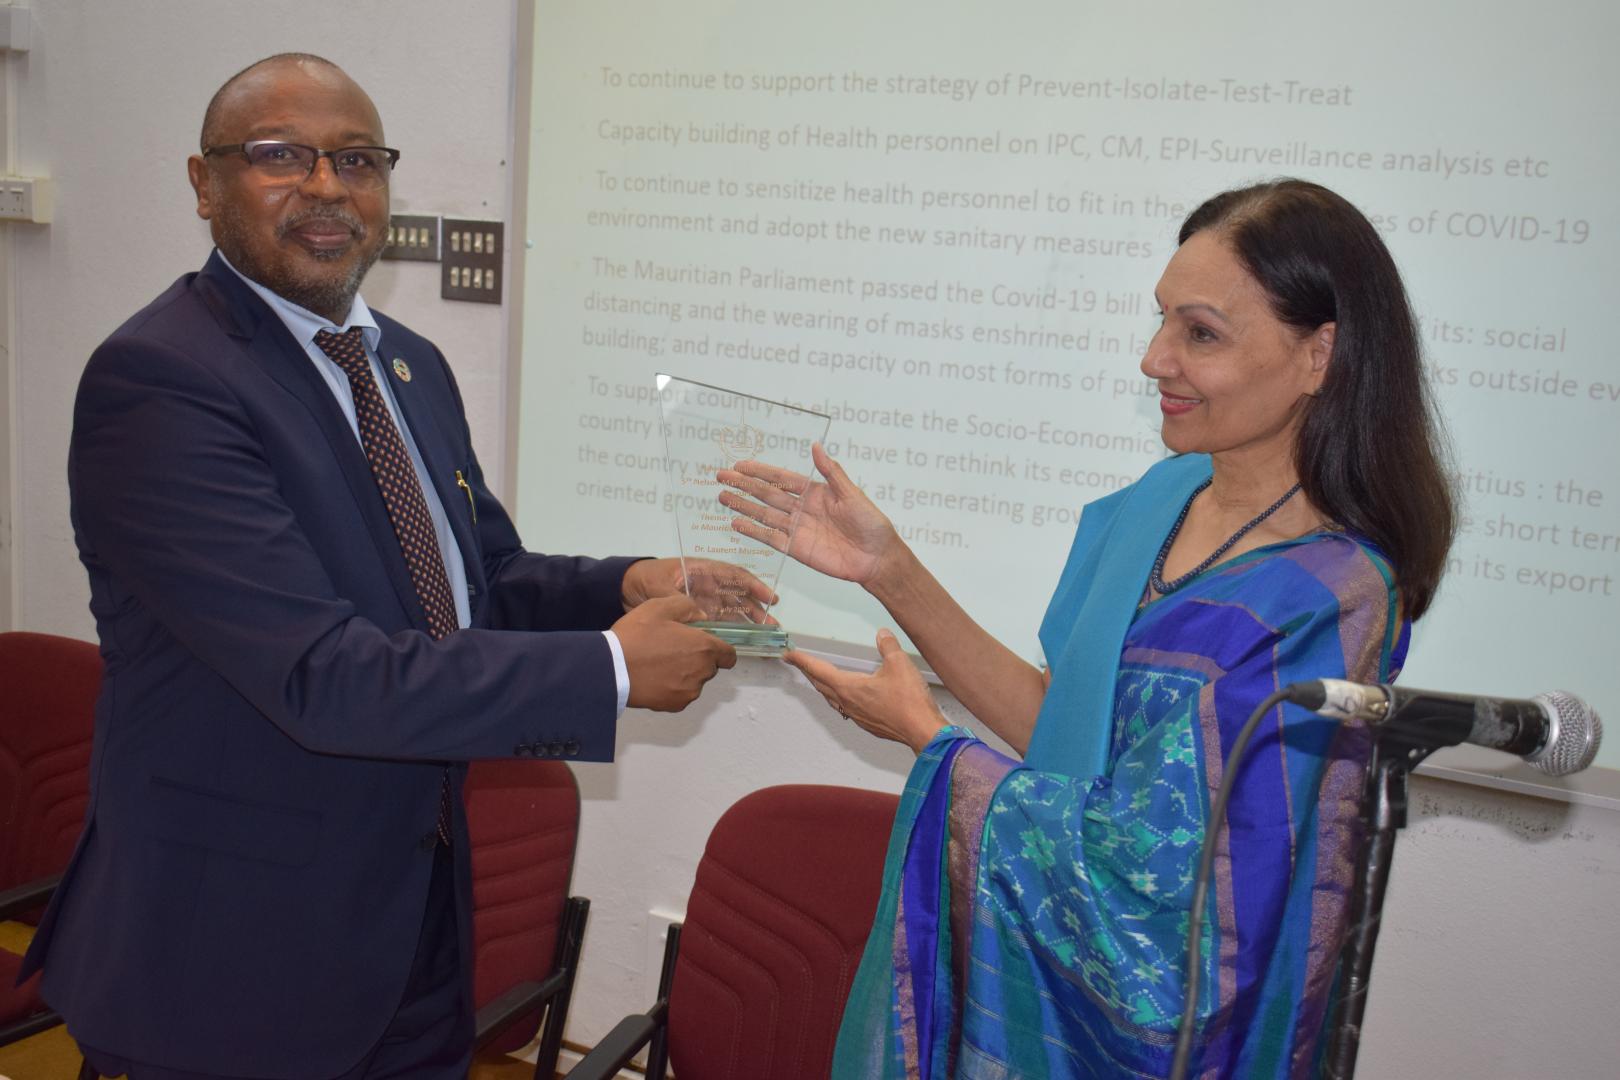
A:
x: 275, y: 720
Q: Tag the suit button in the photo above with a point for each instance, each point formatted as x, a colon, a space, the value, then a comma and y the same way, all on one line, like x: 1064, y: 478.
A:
x: 553, y: 749
x: 520, y: 749
x: 571, y: 747
x: 429, y: 840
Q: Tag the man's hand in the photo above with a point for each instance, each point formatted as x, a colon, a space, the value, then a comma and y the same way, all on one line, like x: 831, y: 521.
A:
x: 723, y: 592
x: 669, y: 661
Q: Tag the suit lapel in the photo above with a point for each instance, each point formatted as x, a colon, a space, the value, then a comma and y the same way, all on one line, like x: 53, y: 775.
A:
x: 434, y: 447
x: 266, y: 342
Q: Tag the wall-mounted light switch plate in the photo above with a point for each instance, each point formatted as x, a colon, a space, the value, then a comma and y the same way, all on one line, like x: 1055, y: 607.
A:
x: 413, y: 236
x: 25, y: 198
x: 473, y: 265
x: 16, y: 28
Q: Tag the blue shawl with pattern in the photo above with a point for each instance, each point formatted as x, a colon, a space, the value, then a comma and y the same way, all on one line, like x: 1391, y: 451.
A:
x: 1034, y: 914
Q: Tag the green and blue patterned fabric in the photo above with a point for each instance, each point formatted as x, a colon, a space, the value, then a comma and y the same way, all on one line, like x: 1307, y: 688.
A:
x: 1034, y: 913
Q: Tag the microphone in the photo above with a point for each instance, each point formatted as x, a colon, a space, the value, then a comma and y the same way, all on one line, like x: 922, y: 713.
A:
x: 1556, y: 732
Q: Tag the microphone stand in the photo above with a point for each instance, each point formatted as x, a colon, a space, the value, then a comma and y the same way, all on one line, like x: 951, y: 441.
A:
x: 1397, y: 748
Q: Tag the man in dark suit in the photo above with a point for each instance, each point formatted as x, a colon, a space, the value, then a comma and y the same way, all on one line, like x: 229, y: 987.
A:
x: 312, y: 613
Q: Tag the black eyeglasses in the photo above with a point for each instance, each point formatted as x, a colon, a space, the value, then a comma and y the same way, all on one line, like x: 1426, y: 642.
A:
x: 359, y: 167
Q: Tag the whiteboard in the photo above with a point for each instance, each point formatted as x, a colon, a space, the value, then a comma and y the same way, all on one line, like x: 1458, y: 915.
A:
x: 941, y: 224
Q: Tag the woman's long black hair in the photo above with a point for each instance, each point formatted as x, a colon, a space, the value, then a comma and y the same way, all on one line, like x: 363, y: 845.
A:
x: 1370, y: 451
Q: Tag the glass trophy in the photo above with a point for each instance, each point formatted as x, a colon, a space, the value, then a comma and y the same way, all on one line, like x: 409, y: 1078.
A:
x: 707, y: 429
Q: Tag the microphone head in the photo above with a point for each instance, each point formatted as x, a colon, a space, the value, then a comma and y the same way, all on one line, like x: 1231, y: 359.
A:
x: 1574, y: 734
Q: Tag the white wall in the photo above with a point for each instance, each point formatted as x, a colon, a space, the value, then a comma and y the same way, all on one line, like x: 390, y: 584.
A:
x: 1497, y: 958
x: 8, y: 344
x: 1499, y: 950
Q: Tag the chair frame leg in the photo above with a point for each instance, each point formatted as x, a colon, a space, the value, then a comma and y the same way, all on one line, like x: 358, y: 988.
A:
x: 658, y: 1048
x: 576, y: 911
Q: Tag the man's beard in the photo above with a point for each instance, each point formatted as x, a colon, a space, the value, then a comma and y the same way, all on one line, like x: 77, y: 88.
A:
x: 329, y: 296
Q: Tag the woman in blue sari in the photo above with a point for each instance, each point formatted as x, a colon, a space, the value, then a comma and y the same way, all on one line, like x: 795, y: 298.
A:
x: 1034, y: 912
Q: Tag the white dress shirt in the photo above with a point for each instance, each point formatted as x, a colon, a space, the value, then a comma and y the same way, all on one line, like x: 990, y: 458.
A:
x: 304, y: 324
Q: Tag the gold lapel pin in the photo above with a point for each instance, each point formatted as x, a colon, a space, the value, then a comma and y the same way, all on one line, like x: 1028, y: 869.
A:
x: 402, y: 369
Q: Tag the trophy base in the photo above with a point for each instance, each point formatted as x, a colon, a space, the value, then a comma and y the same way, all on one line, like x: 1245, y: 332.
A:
x: 749, y: 639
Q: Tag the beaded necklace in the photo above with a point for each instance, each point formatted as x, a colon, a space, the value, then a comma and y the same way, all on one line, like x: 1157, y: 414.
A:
x: 1156, y: 579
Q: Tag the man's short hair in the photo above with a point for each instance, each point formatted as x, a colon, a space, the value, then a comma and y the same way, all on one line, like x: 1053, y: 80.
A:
x: 211, y: 114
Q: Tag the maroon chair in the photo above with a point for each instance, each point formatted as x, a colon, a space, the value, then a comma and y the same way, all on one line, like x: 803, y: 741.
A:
x: 755, y: 979
x: 48, y: 688
x: 523, y: 817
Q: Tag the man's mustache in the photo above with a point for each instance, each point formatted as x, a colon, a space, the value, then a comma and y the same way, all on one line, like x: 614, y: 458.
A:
x: 331, y: 213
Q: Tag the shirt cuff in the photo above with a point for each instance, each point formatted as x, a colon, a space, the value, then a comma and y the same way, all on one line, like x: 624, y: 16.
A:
x: 621, y: 674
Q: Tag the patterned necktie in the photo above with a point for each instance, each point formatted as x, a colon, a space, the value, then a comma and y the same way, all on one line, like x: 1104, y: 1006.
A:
x: 396, y: 479
x: 402, y: 495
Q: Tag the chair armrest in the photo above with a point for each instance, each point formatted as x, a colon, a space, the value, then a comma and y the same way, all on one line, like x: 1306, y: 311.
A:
x: 634, y: 1032
x: 620, y: 1045
x: 19, y: 1030
x: 27, y: 896
x: 522, y: 999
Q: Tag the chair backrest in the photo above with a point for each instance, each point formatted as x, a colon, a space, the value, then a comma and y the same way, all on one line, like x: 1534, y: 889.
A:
x: 781, y: 908
x: 523, y: 818
x: 48, y: 688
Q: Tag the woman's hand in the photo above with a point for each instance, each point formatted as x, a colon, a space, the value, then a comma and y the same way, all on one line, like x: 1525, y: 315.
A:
x: 839, y: 532
x: 892, y: 703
